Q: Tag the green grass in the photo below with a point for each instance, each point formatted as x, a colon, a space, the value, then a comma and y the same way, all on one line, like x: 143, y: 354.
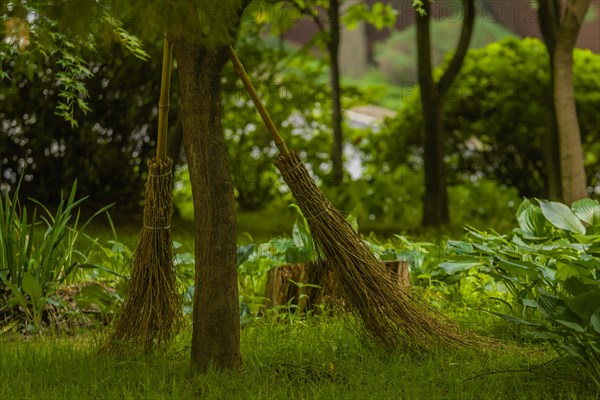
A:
x: 293, y: 359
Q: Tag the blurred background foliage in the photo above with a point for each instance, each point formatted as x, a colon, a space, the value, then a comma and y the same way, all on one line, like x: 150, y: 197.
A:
x: 496, y: 118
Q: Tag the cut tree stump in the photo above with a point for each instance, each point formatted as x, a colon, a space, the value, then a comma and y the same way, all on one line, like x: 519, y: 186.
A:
x: 308, y: 286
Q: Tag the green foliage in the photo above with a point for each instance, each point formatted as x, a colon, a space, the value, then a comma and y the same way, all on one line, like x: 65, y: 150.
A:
x: 380, y: 15
x: 550, y: 265
x: 293, y: 86
x: 36, y: 31
x: 497, y: 115
x: 255, y: 260
x: 397, y: 55
x: 107, y: 151
x: 33, y: 265
x: 483, y: 202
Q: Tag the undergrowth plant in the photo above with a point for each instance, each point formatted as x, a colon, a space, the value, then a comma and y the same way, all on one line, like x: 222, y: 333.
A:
x: 34, y: 264
x: 550, y: 265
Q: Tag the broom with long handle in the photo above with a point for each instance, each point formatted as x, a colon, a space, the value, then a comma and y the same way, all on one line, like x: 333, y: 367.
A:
x: 151, y: 311
x: 385, y: 313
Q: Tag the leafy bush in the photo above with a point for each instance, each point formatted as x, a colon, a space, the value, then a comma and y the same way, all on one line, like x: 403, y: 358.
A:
x: 392, y: 201
x: 483, y: 202
x: 107, y: 151
x: 496, y: 117
x: 550, y: 265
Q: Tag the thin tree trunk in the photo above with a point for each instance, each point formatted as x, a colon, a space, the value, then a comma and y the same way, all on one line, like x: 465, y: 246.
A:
x: 435, y: 210
x: 549, y: 13
x: 216, y: 329
x: 435, y: 202
x: 334, y: 44
x: 571, y: 152
x: 552, y: 152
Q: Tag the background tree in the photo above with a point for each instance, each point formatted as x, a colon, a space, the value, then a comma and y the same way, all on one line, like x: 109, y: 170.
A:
x: 51, y: 73
x: 435, y: 206
x: 548, y: 20
x: 329, y: 38
x: 560, y: 22
x: 494, y: 123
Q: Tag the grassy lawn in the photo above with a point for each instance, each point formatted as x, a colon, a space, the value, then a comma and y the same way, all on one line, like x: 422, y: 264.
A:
x: 315, y: 358
x: 288, y: 357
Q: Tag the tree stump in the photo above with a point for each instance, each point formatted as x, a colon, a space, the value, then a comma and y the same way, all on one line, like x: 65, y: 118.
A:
x: 308, y: 286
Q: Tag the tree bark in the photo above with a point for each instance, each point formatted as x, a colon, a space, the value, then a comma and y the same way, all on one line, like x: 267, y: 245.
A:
x: 435, y: 202
x: 571, y: 152
x: 549, y: 14
x: 336, y: 112
x: 216, y: 316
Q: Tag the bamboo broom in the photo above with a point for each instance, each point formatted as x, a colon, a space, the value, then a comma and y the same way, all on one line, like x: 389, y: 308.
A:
x: 385, y: 313
x: 152, y: 310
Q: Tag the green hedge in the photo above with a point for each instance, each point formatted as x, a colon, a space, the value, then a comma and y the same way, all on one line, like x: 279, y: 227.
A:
x: 496, y: 116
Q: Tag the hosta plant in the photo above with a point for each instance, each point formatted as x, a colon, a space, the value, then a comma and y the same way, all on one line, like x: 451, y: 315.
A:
x: 550, y: 265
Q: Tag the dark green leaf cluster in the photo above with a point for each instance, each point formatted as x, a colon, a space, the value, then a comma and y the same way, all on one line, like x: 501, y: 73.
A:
x: 551, y: 267
x: 497, y: 114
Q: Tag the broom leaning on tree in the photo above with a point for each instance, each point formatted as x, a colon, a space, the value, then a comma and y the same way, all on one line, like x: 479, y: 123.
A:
x: 385, y: 313
x: 151, y: 312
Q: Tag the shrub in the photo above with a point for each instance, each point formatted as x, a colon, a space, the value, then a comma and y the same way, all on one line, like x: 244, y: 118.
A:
x: 497, y: 114
x: 550, y: 265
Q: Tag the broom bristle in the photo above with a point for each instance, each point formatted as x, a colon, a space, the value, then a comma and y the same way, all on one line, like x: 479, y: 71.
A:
x: 151, y: 311
x: 388, y: 314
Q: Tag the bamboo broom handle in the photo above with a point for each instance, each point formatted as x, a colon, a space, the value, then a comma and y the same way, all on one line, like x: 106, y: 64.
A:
x: 163, y: 103
x: 239, y: 68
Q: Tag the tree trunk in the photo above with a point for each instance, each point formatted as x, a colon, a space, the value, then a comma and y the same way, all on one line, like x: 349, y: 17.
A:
x: 435, y: 202
x: 549, y: 13
x: 216, y: 316
x: 333, y: 46
x: 435, y: 206
x: 552, y: 152
x: 571, y: 152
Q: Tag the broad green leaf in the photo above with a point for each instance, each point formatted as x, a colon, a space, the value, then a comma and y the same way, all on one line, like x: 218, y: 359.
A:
x: 586, y: 304
x: 93, y: 294
x: 32, y: 287
x: 547, y: 336
x: 16, y: 296
x: 561, y: 216
x: 452, y: 268
x: 595, y: 321
x: 566, y: 270
x: 548, y: 304
x: 515, y: 320
x: 588, y: 211
x: 530, y: 303
x: 352, y: 219
x: 461, y: 247
x: 571, y: 325
x: 531, y: 220
x: 575, y: 286
x: 520, y: 267
x: 244, y: 252
x: 294, y: 255
x: 301, y: 236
